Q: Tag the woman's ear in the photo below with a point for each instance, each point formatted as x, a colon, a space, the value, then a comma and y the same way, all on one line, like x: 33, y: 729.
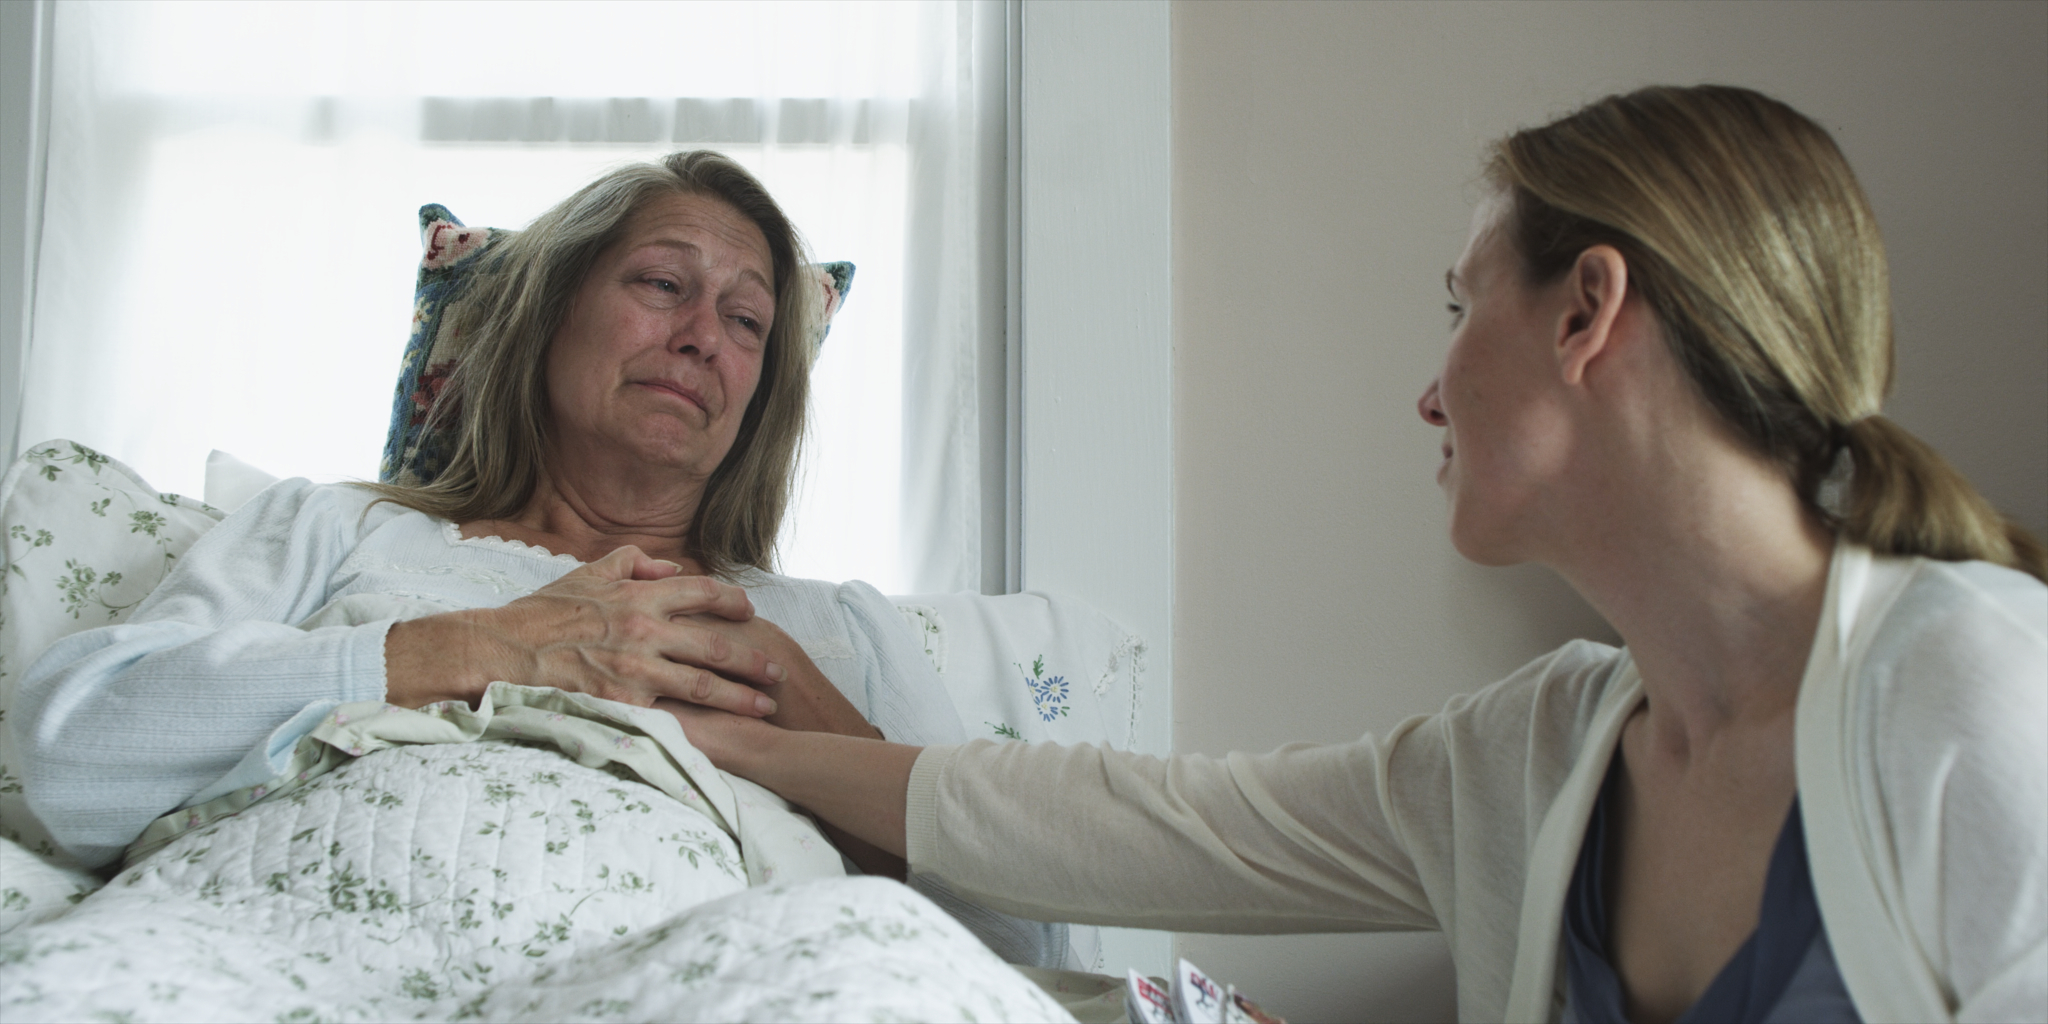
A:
x: 1595, y: 289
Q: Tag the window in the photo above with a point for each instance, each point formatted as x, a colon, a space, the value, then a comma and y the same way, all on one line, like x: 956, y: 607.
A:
x: 229, y: 241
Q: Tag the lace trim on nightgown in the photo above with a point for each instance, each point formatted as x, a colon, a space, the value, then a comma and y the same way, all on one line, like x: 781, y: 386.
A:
x: 743, y: 576
x: 453, y: 533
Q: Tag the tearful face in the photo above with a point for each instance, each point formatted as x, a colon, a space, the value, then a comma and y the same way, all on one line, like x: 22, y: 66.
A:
x: 662, y: 346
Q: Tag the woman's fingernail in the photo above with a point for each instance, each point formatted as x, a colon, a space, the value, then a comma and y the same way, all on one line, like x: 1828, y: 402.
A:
x: 776, y: 672
x: 763, y: 704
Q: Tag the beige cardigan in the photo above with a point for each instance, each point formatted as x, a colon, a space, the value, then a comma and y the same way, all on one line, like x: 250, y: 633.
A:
x: 1922, y: 739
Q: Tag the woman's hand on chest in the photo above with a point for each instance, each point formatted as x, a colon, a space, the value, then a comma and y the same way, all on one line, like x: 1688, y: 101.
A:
x: 626, y: 627
x: 805, y: 699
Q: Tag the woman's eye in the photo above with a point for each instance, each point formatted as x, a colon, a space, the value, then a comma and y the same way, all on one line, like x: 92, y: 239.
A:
x: 1457, y: 312
x: 663, y: 283
x: 752, y: 325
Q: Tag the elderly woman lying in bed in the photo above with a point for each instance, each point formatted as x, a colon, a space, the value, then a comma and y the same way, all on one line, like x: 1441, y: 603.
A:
x: 624, y: 424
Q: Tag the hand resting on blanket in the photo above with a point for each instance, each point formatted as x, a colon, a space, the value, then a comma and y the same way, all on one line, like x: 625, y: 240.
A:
x: 806, y: 702
x: 856, y: 787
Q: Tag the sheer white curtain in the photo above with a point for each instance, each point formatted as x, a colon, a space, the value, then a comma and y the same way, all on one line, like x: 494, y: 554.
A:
x: 229, y: 238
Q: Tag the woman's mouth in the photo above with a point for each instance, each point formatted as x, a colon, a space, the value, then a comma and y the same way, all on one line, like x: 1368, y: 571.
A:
x: 677, y: 390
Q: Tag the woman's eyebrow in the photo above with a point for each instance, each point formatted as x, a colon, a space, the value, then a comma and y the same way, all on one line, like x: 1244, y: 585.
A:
x: 1451, y: 281
x: 691, y: 250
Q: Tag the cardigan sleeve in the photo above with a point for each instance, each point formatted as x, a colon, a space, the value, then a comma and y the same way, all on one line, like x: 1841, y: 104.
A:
x: 1956, y: 717
x: 1431, y: 826
x: 1428, y: 827
x: 1298, y: 840
x: 121, y: 724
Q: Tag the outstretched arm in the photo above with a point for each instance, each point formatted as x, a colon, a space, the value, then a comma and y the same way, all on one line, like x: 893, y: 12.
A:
x: 1294, y: 840
x: 853, y: 783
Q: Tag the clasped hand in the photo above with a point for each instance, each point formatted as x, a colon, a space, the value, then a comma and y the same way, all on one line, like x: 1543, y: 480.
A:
x: 626, y: 627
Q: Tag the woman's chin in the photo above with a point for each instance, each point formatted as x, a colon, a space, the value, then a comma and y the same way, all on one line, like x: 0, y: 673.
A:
x: 646, y: 456
x: 1482, y: 546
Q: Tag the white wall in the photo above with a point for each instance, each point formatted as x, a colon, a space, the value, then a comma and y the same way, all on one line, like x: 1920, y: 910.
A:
x: 1324, y: 165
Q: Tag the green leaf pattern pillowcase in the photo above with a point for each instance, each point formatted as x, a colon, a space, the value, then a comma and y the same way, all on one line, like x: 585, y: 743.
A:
x: 86, y: 540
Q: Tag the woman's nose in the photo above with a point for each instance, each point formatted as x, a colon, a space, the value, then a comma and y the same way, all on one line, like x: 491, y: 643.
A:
x: 1431, y: 408
x: 698, y: 331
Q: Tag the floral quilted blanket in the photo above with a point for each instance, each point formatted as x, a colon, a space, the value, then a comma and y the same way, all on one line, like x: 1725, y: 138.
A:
x: 542, y: 857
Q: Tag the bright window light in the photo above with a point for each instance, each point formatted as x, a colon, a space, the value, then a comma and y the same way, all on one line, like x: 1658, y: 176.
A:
x: 258, y: 288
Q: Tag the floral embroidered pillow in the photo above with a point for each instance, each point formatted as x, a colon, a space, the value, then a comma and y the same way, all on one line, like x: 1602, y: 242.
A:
x: 1036, y: 668
x: 453, y: 256
x: 1032, y: 667
x: 85, y: 540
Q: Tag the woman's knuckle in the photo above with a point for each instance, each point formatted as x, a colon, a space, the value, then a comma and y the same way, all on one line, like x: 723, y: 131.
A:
x: 637, y: 626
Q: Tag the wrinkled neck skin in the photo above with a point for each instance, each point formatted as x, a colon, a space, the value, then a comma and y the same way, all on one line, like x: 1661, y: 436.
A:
x: 582, y: 505
x: 1696, y: 549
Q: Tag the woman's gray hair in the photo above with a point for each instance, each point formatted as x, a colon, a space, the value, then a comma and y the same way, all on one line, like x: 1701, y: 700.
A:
x: 496, y: 402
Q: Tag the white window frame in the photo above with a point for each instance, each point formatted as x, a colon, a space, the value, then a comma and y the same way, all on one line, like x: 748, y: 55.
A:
x: 1091, y: 358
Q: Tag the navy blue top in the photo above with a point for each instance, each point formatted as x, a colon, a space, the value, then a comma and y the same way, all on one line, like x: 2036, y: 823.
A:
x: 1785, y: 972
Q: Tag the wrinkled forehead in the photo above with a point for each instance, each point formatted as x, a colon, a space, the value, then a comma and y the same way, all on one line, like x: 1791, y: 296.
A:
x: 704, y: 229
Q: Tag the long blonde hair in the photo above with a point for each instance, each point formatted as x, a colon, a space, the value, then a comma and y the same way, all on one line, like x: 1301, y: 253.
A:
x: 496, y: 401
x: 1748, y: 235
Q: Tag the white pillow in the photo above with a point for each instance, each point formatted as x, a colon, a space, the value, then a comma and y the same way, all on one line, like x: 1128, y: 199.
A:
x: 230, y: 482
x: 85, y: 540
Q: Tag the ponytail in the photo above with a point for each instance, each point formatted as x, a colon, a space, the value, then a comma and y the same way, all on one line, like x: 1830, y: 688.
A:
x: 1748, y: 236
x: 1905, y: 499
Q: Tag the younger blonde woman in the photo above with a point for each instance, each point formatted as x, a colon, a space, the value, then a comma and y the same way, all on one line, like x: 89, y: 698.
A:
x: 1814, y: 783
